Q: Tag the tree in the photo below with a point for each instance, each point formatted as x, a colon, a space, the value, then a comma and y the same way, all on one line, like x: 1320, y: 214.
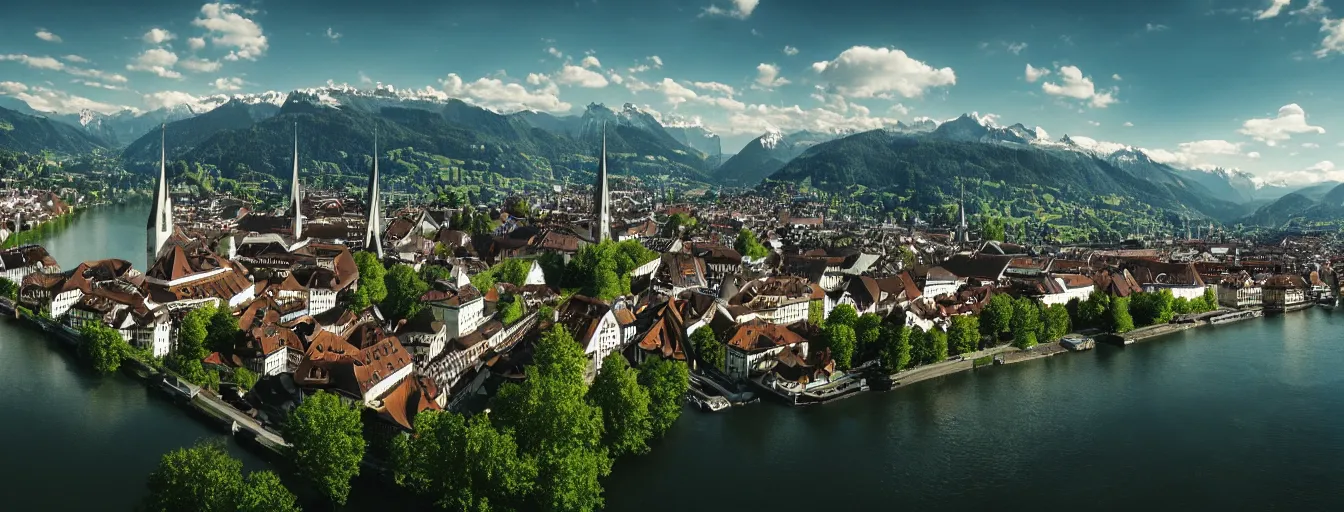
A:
x: 1093, y: 312
x: 327, y: 444
x: 816, y: 312
x: 370, y: 289
x: 906, y: 257
x: 667, y: 381
x: 513, y: 271
x: 919, y: 346
x: 223, y: 331
x: 193, y: 333
x: 463, y: 464
x: 1152, y: 308
x: 404, y: 288
x: 512, y: 311
x: 264, y: 492
x: 963, y: 336
x: 747, y: 245
x: 1026, y: 318
x: 676, y: 222
x: 866, y: 332
x: 997, y: 316
x: 992, y: 228
x: 708, y: 348
x: 1056, y: 322
x: 895, y: 352
x: 937, y: 345
x: 9, y: 289
x: 551, y: 419
x: 1025, y: 341
x: 625, y: 407
x: 843, y: 314
x: 841, y: 340
x: 244, y: 378
x: 103, y: 347
x: 1119, y: 319
x: 201, y: 478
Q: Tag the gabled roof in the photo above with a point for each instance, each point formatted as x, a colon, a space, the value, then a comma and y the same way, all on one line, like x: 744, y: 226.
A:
x: 760, y: 335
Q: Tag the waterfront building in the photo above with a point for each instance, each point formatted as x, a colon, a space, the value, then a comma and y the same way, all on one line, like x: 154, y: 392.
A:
x: 160, y: 225
x: 1182, y: 279
x: 593, y: 324
x: 1240, y: 290
x: 122, y: 306
x: 752, y: 347
x: 17, y: 262
x: 188, y: 274
x: 776, y: 300
x: 1052, y: 289
x: 1284, y: 292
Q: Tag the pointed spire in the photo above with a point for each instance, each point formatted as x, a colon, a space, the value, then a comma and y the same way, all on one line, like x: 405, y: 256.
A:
x: 601, y: 206
x: 160, y: 222
x: 374, y: 218
x: 296, y: 196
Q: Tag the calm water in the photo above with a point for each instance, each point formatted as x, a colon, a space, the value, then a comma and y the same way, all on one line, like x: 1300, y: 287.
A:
x: 1246, y: 416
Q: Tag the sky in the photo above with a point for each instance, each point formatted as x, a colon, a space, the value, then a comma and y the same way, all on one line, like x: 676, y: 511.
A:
x: 1246, y: 84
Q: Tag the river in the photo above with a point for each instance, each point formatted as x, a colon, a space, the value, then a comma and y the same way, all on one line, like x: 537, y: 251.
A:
x: 1241, y: 416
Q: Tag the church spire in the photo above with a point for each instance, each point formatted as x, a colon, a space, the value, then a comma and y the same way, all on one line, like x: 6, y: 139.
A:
x: 374, y: 219
x: 601, y: 201
x: 963, y: 231
x: 296, y: 196
x: 160, y: 225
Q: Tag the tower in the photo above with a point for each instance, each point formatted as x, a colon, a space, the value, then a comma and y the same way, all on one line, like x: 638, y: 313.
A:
x: 374, y: 221
x: 601, y: 206
x: 296, y: 196
x: 160, y: 225
x: 963, y: 232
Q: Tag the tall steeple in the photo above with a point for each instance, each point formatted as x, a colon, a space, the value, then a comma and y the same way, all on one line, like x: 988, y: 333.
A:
x: 963, y: 231
x: 295, y: 195
x: 160, y: 225
x: 374, y: 219
x: 601, y: 202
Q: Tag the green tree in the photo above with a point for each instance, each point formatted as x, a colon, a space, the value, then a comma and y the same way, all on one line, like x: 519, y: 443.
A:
x: 1026, y: 318
x: 997, y: 316
x: 895, y: 352
x: 708, y: 348
x: 867, y: 330
x: 906, y: 257
x: 513, y: 271
x: 552, y: 420
x: 1056, y: 322
x: 404, y: 288
x: 193, y: 334
x: 370, y: 288
x: 843, y: 314
x: 625, y: 407
x: 327, y: 444
x: 992, y: 228
x: 667, y: 381
x: 202, y: 478
x: 1093, y: 312
x: 244, y: 378
x: 937, y: 345
x: 964, y: 334
x: 463, y: 464
x: 920, y: 351
x: 103, y: 347
x: 1025, y: 341
x: 264, y: 492
x: 816, y: 312
x: 677, y: 222
x: 747, y: 245
x: 841, y: 340
x: 223, y: 331
x: 512, y: 311
x: 9, y: 290
x: 1120, y: 320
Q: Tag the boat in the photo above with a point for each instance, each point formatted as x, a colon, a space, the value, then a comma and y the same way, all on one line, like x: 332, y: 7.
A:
x: 1077, y: 343
x: 178, y: 387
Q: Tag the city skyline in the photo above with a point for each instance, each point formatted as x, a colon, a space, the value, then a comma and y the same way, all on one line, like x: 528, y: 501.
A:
x: 1171, y: 78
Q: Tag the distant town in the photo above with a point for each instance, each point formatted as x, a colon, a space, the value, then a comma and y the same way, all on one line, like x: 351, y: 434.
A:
x: 401, y: 313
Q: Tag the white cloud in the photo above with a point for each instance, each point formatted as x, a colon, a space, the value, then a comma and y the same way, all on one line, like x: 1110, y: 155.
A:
x: 1034, y: 74
x: 196, y: 43
x: 1128, y: 124
x: 767, y: 76
x: 1290, y: 120
x: 1116, y: 77
x: 741, y: 9
x: 1094, y: 123
x: 364, y: 79
x: 1016, y: 48
x: 676, y: 93
x: 656, y: 61
x: 898, y: 110
x: 1155, y: 27
x: 35, y: 62
x: 50, y: 100
x: 504, y: 96
x: 756, y: 119
x: 46, y: 35
x: 158, y: 61
x: 866, y: 72
x: 76, y: 59
x: 1310, y: 145
x: 1324, y: 170
x: 228, y: 84
x: 99, y: 85
x: 94, y: 73
x: 577, y: 76
x: 332, y: 34
x: 1195, y: 154
x: 724, y: 89
x: 12, y: 87
x: 231, y: 30
x: 790, y: 51
x: 536, y: 78
x: 1074, y: 85
x: 591, y: 62
x: 1275, y: 6
x: 555, y: 52
x: 201, y: 65
x: 1210, y: 147
x: 158, y: 36
x: 1334, y: 37
x: 1253, y: 155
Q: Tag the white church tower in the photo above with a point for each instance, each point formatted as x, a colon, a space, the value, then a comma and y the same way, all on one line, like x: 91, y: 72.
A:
x: 601, y: 198
x: 296, y: 196
x: 374, y: 218
x: 160, y: 225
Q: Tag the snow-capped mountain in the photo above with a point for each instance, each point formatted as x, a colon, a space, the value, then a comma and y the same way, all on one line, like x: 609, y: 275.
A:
x: 976, y: 128
x: 371, y: 99
x: 692, y: 133
x: 770, y: 152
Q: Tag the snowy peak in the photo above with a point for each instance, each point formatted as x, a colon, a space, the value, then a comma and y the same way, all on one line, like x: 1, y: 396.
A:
x: 771, y: 139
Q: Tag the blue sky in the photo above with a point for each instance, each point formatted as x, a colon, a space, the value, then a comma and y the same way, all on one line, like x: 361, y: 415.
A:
x: 1249, y: 84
